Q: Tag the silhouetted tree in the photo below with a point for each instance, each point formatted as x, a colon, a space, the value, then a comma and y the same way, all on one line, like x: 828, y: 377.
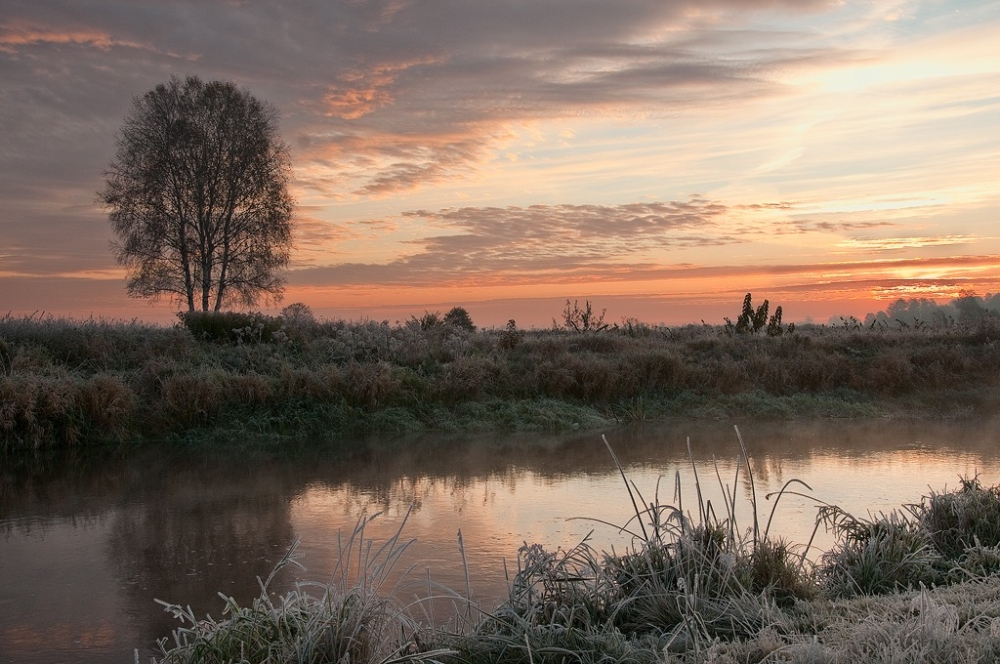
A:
x: 197, y: 196
x: 458, y: 317
x: 970, y: 307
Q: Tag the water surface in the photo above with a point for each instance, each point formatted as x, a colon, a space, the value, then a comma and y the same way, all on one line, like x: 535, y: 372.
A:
x: 87, y: 543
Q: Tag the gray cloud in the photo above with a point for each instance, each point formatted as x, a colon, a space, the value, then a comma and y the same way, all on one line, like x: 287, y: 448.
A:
x: 833, y: 226
x: 417, y: 84
x: 517, y: 244
x: 579, y: 244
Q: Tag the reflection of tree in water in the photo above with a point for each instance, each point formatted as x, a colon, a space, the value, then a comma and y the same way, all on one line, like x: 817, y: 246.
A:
x: 58, y: 482
x: 188, y: 533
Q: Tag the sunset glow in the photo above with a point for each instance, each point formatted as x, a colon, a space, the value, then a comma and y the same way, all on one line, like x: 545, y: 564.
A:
x: 658, y: 158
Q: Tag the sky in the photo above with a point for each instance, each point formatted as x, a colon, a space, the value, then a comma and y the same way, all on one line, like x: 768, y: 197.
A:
x: 659, y: 158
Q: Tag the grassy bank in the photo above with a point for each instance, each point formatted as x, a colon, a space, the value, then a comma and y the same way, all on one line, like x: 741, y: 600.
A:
x: 919, y: 584
x: 70, y: 382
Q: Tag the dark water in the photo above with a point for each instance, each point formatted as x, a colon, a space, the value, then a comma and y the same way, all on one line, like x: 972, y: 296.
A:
x: 88, y: 542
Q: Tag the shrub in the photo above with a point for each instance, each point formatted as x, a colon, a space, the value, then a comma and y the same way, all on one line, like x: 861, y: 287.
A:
x: 428, y: 321
x: 298, y: 314
x: 582, y: 320
x: 752, y: 321
x: 510, y: 337
x: 749, y: 321
x: 459, y: 318
x: 232, y: 327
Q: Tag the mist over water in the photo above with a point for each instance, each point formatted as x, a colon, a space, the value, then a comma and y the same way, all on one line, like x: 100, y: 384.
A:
x: 87, y: 542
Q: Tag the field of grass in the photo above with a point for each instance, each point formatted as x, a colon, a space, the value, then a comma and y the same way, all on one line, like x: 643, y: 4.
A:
x: 919, y: 584
x: 66, y: 382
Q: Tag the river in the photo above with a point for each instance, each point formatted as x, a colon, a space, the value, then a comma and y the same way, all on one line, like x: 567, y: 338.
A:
x: 87, y: 541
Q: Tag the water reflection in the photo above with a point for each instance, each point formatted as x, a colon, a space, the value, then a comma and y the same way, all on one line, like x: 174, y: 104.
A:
x: 86, y: 543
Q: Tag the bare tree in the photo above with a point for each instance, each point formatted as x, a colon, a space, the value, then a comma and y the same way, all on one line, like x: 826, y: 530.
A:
x: 198, y: 198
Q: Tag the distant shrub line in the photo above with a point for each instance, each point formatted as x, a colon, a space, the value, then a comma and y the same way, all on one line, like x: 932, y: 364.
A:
x: 65, y: 382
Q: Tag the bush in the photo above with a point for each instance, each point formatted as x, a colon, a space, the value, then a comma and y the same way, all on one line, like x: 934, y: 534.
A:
x: 232, y: 327
x: 510, y: 337
x: 459, y: 318
x: 582, y: 320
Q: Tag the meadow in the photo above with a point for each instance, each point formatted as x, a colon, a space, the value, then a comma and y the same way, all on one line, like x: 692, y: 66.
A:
x: 216, y: 377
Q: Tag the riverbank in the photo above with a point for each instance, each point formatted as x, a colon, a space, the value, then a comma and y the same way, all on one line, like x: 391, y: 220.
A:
x: 90, y: 382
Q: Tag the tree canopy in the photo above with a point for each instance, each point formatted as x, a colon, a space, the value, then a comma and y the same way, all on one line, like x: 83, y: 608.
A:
x: 197, y: 195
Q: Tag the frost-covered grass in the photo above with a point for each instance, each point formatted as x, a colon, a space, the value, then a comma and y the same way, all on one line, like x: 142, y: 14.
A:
x: 68, y: 382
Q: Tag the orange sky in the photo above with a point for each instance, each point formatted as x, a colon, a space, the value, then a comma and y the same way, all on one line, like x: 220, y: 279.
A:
x: 660, y: 159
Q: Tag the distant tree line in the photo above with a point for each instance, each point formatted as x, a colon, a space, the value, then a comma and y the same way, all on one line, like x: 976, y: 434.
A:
x: 967, y: 308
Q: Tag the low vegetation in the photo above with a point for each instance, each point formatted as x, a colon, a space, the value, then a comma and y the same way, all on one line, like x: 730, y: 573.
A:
x: 919, y: 585
x: 70, y: 382
x: 351, y: 618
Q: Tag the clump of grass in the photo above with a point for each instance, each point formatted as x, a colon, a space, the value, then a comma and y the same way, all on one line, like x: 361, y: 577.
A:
x: 882, y: 555
x: 557, y: 611
x: 6, y: 358
x: 961, y: 519
x: 947, y: 537
x: 696, y: 587
x: 554, y: 588
x: 353, y: 618
x: 686, y: 582
x: 702, y: 577
x: 107, y: 407
x: 976, y: 562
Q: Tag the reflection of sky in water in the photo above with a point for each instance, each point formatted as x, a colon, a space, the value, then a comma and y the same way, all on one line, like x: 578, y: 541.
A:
x: 57, y: 575
x: 83, y: 552
x: 499, y: 512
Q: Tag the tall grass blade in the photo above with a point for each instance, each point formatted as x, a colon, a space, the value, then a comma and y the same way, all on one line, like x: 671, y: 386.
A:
x: 779, y: 494
x: 753, y: 488
x: 694, y: 469
x: 621, y: 470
